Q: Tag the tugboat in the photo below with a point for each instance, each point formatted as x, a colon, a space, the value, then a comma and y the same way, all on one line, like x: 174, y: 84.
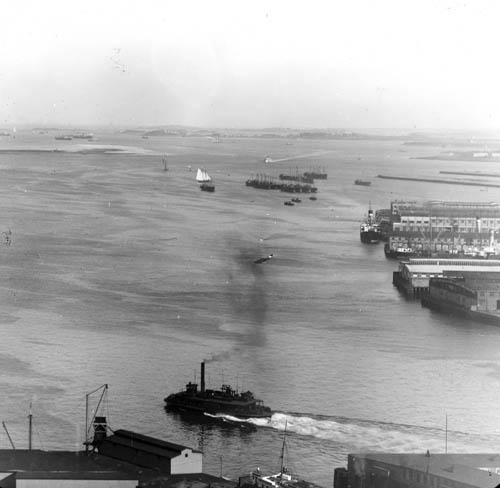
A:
x: 223, y: 401
x: 369, y: 231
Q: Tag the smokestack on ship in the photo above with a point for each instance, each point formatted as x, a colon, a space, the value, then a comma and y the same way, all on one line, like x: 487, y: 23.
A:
x: 202, y: 380
x: 225, y: 400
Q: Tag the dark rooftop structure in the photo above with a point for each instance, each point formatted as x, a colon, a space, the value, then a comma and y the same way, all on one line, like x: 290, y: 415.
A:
x: 384, y: 470
x: 96, y: 469
x: 152, y: 453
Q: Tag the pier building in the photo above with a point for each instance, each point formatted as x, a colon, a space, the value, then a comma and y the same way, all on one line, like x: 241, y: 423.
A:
x: 420, y: 243
x: 473, y: 295
x: 439, y: 227
x: 413, y: 276
x: 440, y: 216
x: 383, y: 470
x: 152, y: 453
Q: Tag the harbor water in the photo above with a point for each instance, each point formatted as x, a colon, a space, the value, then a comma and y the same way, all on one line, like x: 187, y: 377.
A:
x: 118, y: 272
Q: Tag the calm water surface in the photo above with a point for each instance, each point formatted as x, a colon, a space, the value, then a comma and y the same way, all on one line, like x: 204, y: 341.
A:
x: 124, y: 274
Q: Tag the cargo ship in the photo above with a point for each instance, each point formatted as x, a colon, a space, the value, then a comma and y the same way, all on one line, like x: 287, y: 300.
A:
x: 369, y: 231
x: 226, y: 401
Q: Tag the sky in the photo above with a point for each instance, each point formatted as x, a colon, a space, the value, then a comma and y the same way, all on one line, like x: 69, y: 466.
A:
x: 311, y: 64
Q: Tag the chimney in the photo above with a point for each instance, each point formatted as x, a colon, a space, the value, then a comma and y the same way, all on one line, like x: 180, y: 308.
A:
x: 202, y: 379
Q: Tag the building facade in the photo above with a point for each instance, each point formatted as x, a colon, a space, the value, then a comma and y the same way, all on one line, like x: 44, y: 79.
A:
x: 438, y: 216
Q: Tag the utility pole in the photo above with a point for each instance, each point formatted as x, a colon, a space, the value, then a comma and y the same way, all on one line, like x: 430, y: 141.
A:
x: 30, y: 430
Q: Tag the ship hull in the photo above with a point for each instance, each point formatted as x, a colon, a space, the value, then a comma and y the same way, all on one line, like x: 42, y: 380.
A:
x: 215, y: 407
x: 369, y: 236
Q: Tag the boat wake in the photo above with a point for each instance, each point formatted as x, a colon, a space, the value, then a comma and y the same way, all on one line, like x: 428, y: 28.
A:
x: 299, y: 156
x: 369, y: 435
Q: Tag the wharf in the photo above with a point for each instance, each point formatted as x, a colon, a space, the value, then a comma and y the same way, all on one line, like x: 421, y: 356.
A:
x: 442, y: 181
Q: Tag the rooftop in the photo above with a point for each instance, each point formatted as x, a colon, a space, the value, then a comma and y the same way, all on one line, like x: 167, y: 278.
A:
x: 145, y: 443
x: 472, y: 469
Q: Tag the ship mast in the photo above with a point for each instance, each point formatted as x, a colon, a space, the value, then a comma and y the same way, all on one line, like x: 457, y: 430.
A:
x: 30, y: 428
x: 282, y: 457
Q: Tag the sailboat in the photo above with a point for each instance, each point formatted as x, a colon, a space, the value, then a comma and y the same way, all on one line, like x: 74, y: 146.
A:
x: 283, y: 479
x: 205, y: 180
x: 164, y: 160
x: 202, y: 176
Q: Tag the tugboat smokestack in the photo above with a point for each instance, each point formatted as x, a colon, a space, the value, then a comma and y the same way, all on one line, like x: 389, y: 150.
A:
x: 202, y: 379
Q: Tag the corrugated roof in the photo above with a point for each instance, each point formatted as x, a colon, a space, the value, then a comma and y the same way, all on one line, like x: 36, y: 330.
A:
x: 72, y: 475
x: 145, y: 443
x: 75, y: 461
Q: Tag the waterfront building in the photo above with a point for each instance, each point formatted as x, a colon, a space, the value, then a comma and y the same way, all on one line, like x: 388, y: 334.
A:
x: 24, y: 468
x: 438, y: 216
x: 474, y: 295
x: 424, y: 243
x: 152, y: 453
x: 412, y: 276
x: 439, y: 227
x: 426, y: 470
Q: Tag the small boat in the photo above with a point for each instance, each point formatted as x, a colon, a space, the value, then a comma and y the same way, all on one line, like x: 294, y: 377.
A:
x: 207, y: 187
x: 296, y: 200
x: 202, y: 176
x: 205, y: 180
x: 263, y: 260
x: 313, y: 198
x: 288, y: 203
x: 362, y: 182
x: 63, y: 138
x: 283, y: 479
x: 83, y: 135
x: 267, y: 159
x: 223, y: 401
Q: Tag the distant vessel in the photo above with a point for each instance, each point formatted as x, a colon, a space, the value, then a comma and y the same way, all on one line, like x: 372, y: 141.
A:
x: 267, y: 159
x: 207, y: 187
x: 369, y: 231
x: 316, y: 174
x: 362, y: 182
x: 222, y: 401
x: 63, y: 138
x: 202, y: 176
x: 206, y: 181
x: 83, y: 136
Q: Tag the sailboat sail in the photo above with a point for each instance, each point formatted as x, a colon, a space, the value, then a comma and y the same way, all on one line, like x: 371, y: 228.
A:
x: 202, y: 176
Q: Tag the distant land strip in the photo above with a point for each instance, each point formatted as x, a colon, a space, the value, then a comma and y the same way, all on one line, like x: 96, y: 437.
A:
x: 437, y: 180
x: 471, y: 173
